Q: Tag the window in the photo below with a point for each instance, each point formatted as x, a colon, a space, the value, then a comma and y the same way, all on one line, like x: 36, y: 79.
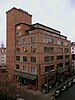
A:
x: 59, y: 57
x: 49, y: 68
x: 46, y: 32
x: 18, y: 27
x: 66, y: 43
x: 48, y: 58
x: 25, y: 49
x: 59, y: 42
x: 18, y: 41
x: 66, y: 50
x: 59, y: 50
x: 33, y: 70
x: 17, y: 66
x: 24, y: 68
x: 67, y: 56
x: 33, y: 59
x: 48, y: 40
x: 33, y: 39
x: 59, y: 65
x: 25, y: 40
x: 18, y: 34
x: 67, y: 63
x: 25, y: 58
x: 33, y: 48
x: 48, y: 49
x: 18, y: 58
x: 18, y: 49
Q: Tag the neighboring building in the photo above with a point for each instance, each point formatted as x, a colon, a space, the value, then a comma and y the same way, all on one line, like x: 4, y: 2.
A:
x: 2, y: 56
x: 73, y: 54
x: 38, y: 54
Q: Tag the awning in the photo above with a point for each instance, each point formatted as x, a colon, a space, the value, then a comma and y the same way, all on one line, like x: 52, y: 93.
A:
x: 25, y: 75
x: 62, y: 70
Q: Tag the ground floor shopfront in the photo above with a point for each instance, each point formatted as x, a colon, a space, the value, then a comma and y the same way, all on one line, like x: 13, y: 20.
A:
x: 48, y: 80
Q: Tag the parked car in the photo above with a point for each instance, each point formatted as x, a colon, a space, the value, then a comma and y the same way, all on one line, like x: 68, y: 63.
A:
x: 57, y: 92
x: 69, y: 83
x: 64, y: 87
x: 73, y: 80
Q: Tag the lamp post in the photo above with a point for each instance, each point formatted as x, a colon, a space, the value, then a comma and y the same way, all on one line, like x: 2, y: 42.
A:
x: 17, y: 88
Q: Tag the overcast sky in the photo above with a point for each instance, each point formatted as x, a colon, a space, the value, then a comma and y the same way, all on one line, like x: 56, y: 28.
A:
x: 57, y: 14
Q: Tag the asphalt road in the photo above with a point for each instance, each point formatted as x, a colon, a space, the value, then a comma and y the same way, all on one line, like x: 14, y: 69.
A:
x: 68, y: 95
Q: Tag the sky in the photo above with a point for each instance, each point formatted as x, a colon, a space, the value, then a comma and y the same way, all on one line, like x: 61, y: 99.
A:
x: 57, y: 14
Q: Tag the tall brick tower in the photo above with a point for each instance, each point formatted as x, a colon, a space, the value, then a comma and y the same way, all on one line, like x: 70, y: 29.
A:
x: 13, y: 17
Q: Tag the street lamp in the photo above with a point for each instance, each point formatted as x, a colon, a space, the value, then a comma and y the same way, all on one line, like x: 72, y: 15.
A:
x: 17, y: 88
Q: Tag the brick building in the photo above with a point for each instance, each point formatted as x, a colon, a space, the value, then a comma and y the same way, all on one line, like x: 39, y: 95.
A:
x: 38, y: 54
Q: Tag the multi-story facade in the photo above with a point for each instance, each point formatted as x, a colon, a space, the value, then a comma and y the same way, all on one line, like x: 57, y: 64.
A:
x: 73, y: 54
x: 38, y: 54
x: 2, y: 56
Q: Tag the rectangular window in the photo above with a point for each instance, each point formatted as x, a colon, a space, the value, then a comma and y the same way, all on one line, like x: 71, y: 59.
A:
x: 67, y: 56
x: 59, y: 57
x: 33, y: 70
x: 59, y: 50
x: 33, y: 39
x: 59, y: 42
x: 25, y: 40
x: 33, y: 59
x: 33, y: 48
x: 17, y: 66
x: 66, y: 43
x: 18, y: 34
x: 48, y: 58
x: 18, y: 41
x: 49, y: 68
x: 18, y: 49
x: 25, y: 49
x: 67, y: 63
x: 66, y: 50
x: 48, y: 40
x: 18, y: 58
x: 25, y: 58
x: 48, y: 49
x: 59, y: 65
x: 24, y: 68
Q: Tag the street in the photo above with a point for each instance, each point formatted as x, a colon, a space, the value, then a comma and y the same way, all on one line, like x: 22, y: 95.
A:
x: 68, y: 95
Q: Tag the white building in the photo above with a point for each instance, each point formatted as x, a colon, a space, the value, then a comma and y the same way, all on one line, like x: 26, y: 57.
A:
x: 2, y: 56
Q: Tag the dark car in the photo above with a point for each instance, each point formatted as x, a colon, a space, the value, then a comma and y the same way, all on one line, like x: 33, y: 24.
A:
x: 57, y: 92
x: 64, y: 87
x: 69, y: 83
